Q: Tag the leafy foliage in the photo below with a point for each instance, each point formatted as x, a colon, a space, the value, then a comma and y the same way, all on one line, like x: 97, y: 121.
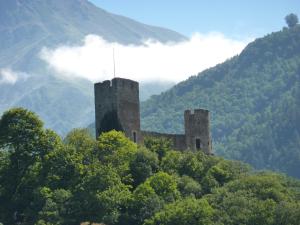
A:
x: 291, y: 20
x: 144, y: 165
x: 186, y: 212
x: 112, y: 181
x: 157, y: 145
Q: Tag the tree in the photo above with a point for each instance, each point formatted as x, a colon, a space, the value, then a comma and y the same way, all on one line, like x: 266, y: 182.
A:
x: 145, y: 204
x: 288, y: 213
x: 242, y: 208
x: 158, y: 145
x: 100, y: 196
x: 81, y: 140
x: 222, y: 173
x: 143, y: 166
x: 189, y: 187
x: 19, y: 130
x: 164, y: 186
x: 171, y: 162
x: 26, y: 145
x: 183, y: 164
x: 54, y: 206
x: 150, y: 196
x: 188, y: 211
x: 112, y: 143
x: 116, y: 149
x: 291, y: 20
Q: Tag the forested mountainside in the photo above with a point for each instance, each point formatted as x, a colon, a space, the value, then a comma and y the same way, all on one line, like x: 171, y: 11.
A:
x: 29, y: 25
x: 45, y: 180
x: 254, y: 99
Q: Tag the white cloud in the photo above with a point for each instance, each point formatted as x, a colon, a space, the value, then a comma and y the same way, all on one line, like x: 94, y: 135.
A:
x: 149, y: 62
x: 7, y: 76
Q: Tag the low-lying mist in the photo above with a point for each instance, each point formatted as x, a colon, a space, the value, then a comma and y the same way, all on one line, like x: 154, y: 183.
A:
x: 152, y: 61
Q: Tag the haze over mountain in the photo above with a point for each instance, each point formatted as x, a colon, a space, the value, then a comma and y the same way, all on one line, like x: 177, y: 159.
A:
x: 254, y: 99
x: 25, y: 80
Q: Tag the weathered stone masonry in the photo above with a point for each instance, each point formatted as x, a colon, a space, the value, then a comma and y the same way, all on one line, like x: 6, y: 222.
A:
x: 117, y: 106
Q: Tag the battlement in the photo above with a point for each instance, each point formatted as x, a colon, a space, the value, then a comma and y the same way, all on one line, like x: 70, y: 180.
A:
x: 117, y: 106
x: 121, y: 83
x: 196, y: 112
x: 117, y: 84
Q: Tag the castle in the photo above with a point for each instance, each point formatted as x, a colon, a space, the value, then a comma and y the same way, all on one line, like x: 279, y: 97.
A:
x: 117, y: 106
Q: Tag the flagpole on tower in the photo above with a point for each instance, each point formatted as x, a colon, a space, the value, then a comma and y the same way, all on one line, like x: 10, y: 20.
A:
x: 114, y: 62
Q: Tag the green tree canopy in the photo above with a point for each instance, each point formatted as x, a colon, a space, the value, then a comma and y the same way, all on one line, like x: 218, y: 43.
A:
x: 190, y: 211
x: 144, y: 165
x: 112, y: 181
x: 291, y: 20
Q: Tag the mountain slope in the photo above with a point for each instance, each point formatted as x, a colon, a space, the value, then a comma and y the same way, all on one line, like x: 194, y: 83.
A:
x: 29, y: 25
x: 254, y: 99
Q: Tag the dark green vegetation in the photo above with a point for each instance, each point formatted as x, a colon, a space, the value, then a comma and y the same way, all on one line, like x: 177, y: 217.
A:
x: 291, y: 20
x: 48, y: 181
x: 29, y: 25
x: 254, y: 99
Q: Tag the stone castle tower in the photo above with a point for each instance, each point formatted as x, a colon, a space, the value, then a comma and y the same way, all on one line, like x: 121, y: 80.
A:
x: 117, y: 106
x: 197, y: 130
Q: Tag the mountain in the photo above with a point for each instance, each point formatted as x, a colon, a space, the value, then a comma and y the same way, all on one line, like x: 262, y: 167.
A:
x: 29, y: 25
x: 254, y: 99
x: 153, y: 87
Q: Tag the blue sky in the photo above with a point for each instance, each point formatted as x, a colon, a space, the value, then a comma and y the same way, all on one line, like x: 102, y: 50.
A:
x: 234, y: 18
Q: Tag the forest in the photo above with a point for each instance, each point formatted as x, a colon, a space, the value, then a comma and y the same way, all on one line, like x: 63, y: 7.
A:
x: 254, y: 100
x: 47, y: 180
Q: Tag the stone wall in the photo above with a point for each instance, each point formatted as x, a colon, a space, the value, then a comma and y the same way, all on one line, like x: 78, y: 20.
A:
x: 105, y: 106
x: 128, y: 107
x: 177, y: 140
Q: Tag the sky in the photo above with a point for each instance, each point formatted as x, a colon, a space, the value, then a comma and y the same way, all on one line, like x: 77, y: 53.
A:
x: 216, y: 30
x: 234, y: 18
